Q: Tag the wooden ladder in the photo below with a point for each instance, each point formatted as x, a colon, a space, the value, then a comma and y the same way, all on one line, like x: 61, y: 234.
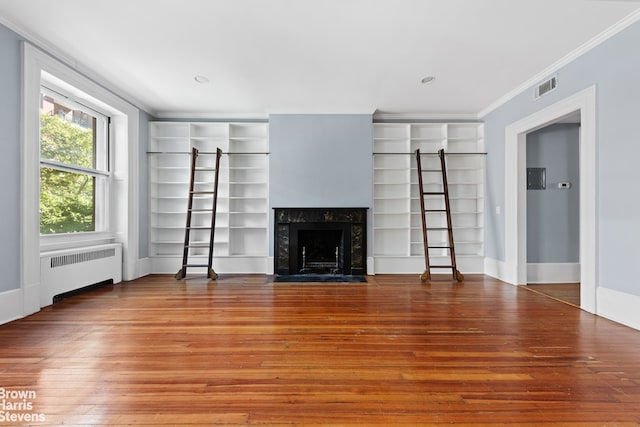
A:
x: 211, y: 274
x: 447, y: 211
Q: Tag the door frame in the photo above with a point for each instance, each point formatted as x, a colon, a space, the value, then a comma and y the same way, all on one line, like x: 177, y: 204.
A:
x: 516, y: 197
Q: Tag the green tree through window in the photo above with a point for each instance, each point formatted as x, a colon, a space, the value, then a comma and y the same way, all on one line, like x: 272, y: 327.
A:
x: 67, y: 198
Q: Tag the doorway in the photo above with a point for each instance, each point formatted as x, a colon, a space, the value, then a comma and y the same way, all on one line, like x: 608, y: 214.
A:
x: 553, y: 209
x: 583, y: 102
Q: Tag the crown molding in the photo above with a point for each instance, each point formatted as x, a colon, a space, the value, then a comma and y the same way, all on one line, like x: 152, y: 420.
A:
x: 422, y: 117
x: 181, y: 115
x: 567, y: 59
x: 211, y: 116
x: 61, y: 56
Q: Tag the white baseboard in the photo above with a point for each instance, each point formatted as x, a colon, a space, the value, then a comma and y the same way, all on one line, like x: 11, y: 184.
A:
x: 496, y: 269
x: 143, y: 267
x: 415, y: 265
x: 222, y: 265
x: 18, y: 303
x: 10, y: 305
x: 553, y: 272
x: 370, y: 264
x: 31, y: 299
x: 619, y: 307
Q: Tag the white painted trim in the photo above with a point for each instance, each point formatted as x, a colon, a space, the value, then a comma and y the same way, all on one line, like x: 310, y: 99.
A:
x: 125, y: 174
x: 467, y: 264
x: 226, y: 117
x: 418, y: 117
x: 619, y: 307
x: 222, y: 265
x: 562, y: 62
x: 31, y: 298
x: 495, y: 268
x: 270, y: 265
x: 515, y: 191
x: 11, y: 305
x: 32, y: 64
x: 551, y: 272
x: 370, y: 266
x: 63, y: 57
x: 144, y: 267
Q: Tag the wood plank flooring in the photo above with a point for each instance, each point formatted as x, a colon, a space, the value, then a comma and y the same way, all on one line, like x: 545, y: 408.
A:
x: 246, y: 351
x: 565, y: 292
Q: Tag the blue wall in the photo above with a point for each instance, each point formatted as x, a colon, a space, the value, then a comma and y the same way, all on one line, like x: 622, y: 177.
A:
x: 553, y: 214
x: 321, y: 160
x: 10, y: 104
x: 614, y: 67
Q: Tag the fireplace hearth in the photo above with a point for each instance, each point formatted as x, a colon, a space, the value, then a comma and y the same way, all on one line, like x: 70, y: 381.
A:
x: 320, y: 242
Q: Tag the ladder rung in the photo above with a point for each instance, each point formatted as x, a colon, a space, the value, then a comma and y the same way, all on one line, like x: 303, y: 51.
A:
x: 200, y: 195
x: 425, y: 227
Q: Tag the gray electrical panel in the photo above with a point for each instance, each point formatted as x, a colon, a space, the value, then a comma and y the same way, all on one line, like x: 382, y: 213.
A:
x: 536, y: 178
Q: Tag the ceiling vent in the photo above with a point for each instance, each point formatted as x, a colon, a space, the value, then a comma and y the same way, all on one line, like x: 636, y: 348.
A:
x: 546, y: 87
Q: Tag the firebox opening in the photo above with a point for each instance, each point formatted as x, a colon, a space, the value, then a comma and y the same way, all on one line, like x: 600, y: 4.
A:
x: 318, y: 232
x: 321, y: 251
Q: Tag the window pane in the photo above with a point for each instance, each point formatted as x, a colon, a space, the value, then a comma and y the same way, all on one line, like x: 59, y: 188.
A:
x: 67, y: 202
x: 66, y: 135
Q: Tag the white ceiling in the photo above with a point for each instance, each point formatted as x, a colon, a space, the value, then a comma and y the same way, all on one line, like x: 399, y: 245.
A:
x: 314, y: 56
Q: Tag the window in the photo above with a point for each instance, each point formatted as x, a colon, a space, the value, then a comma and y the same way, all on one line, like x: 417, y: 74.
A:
x: 74, y: 166
x: 117, y: 218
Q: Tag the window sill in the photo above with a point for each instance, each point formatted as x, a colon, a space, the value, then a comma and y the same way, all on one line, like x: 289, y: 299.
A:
x: 74, y: 240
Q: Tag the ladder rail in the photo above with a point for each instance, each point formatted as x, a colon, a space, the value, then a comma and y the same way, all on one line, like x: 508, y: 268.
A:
x: 187, y: 231
x: 447, y: 210
x: 211, y: 274
x: 210, y: 271
x: 425, y: 241
x: 445, y: 185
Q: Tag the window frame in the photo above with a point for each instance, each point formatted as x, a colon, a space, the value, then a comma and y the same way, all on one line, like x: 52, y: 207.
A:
x: 102, y: 163
x: 125, y: 191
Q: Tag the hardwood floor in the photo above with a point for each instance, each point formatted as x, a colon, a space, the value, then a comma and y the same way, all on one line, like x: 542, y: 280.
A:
x: 245, y: 351
x: 565, y: 292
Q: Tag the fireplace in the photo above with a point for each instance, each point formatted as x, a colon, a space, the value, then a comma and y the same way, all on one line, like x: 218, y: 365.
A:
x: 320, y: 241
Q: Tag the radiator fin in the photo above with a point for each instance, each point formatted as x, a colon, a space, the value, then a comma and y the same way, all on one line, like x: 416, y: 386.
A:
x: 62, y: 260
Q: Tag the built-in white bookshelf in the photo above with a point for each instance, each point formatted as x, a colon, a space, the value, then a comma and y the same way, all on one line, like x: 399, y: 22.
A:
x: 397, y: 224
x: 241, y: 235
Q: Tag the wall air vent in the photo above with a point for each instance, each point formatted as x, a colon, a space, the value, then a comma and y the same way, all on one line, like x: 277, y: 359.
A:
x: 545, y: 87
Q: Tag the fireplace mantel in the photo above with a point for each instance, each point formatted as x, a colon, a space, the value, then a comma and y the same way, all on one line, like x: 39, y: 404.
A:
x: 351, y: 221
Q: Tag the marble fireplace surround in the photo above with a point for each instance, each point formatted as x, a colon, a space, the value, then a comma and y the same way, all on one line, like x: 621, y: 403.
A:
x: 351, y: 221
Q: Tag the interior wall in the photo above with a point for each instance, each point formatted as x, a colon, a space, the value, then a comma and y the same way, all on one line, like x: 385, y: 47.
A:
x: 613, y: 67
x: 10, y: 162
x: 320, y: 160
x: 553, y: 214
x: 10, y: 84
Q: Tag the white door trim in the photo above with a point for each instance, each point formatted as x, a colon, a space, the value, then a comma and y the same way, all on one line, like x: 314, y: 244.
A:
x: 516, y: 197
